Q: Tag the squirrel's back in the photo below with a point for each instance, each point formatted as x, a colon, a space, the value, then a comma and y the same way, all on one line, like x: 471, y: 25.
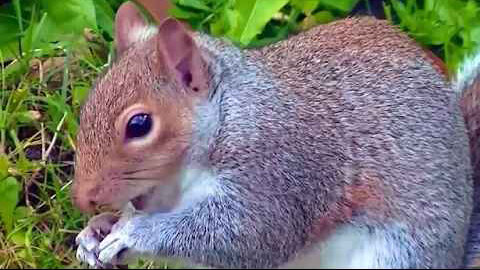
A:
x: 357, y: 106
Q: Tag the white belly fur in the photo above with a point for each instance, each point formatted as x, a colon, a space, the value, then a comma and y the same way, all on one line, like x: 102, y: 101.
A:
x: 349, y: 247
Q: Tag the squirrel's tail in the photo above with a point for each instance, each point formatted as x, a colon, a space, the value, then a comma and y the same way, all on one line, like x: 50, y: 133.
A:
x: 467, y: 83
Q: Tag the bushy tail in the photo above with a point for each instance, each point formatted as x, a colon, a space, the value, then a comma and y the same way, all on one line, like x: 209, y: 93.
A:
x: 467, y: 83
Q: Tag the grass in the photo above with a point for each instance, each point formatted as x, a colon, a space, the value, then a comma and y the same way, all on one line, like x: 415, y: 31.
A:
x: 41, y: 92
x: 40, y: 100
x: 38, y: 122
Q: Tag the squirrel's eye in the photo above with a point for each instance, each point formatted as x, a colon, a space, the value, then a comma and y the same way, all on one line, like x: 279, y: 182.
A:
x: 139, y: 125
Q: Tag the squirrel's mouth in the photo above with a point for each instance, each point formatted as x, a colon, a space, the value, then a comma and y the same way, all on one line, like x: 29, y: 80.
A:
x: 140, y: 202
x: 160, y: 198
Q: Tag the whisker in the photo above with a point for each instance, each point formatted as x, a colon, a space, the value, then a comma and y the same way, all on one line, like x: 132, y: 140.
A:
x: 127, y: 179
x: 141, y: 170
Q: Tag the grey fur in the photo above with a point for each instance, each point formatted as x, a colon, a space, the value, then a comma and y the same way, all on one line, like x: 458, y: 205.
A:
x: 293, y: 126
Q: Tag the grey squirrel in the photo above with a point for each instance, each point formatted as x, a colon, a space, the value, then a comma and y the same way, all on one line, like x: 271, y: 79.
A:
x: 342, y: 146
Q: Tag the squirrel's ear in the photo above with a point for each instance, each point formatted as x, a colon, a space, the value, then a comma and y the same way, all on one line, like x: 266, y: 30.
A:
x: 131, y: 26
x: 180, y: 57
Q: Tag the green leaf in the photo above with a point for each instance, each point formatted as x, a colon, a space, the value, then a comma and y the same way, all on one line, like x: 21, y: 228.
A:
x: 218, y: 27
x: 18, y: 11
x: 105, y: 16
x: 18, y: 238
x: 24, y: 117
x: 280, y: 34
x: 197, y: 4
x: 323, y: 16
x: 71, y: 16
x: 231, y: 18
x: 79, y: 94
x: 23, y: 253
x: 4, y: 164
x: 9, y: 189
x: 252, y: 17
x: 30, y: 37
x: 9, y: 29
x: 223, y: 22
x: 306, y: 6
x: 341, y: 5
x: 182, y: 14
x: 449, y: 25
x: 115, y: 4
x: 475, y: 35
x: 22, y: 212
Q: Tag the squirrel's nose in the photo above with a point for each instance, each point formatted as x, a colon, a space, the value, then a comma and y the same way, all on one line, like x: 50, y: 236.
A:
x: 83, y: 198
x: 84, y: 204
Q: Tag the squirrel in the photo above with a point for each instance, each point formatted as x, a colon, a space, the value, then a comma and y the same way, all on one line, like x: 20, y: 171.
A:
x: 342, y: 146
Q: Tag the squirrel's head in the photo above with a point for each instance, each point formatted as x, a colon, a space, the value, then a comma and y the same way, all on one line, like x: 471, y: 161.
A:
x: 136, y: 123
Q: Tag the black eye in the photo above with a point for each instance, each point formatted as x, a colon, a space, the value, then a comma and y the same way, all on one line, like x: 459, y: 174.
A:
x: 139, y: 125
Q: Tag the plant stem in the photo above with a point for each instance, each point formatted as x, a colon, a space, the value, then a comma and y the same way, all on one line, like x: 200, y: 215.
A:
x: 66, y: 73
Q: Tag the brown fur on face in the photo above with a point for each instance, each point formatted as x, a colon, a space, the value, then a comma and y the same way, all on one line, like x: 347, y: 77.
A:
x: 160, y: 73
x: 110, y: 171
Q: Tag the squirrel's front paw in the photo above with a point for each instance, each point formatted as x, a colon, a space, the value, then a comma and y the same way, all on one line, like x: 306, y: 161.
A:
x: 121, y: 244
x: 88, y: 240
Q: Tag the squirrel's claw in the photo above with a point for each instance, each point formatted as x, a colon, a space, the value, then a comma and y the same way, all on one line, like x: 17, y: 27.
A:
x: 88, y: 240
x: 88, y: 257
x: 111, y: 249
x: 88, y: 247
